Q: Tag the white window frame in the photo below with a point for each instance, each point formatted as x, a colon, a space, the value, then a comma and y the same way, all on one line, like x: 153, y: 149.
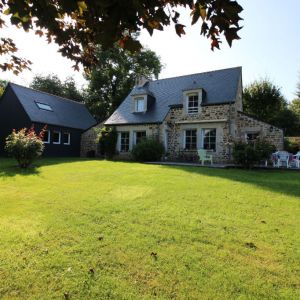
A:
x: 135, y: 132
x: 48, y: 141
x: 69, y: 138
x: 203, y: 136
x: 138, y: 100
x: 186, y: 96
x: 120, y: 141
x: 195, y: 109
x: 59, y: 135
x: 184, y: 138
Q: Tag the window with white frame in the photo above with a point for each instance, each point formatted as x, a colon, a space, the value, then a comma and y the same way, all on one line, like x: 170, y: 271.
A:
x: 46, y: 137
x: 66, y: 138
x: 191, y: 139
x: 56, y: 137
x: 209, y: 139
x: 193, y: 103
x: 139, y: 104
x: 139, y: 136
x: 124, y: 141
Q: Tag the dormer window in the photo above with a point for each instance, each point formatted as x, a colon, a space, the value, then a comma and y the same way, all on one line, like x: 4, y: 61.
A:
x: 139, y: 104
x: 193, y: 103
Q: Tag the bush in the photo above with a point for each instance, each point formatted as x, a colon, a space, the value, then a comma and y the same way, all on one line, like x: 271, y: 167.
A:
x: 108, y: 137
x: 25, y: 146
x: 292, y: 145
x: 148, y: 150
x: 248, y: 154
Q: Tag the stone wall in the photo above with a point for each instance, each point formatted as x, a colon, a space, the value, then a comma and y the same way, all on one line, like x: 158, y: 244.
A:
x: 152, y: 131
x: 213, y: 116
x: 88, y: 141
x: 230, y: 125
x: 247, y: 124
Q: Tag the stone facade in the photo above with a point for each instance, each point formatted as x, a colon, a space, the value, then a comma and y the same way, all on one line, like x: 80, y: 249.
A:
x: 209, y: 117
x: 153, y: 131
x: 89, y: 145
x: 248, y: 124
x: 230, y: 125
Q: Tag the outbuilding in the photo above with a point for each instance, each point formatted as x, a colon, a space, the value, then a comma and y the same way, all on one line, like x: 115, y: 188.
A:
x: 66, y: 119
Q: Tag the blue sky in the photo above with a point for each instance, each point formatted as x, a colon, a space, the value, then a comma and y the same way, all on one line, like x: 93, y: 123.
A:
x: 270, y: 47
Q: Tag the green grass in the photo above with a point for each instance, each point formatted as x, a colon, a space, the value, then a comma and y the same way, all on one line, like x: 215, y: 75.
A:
x: 111, y: 230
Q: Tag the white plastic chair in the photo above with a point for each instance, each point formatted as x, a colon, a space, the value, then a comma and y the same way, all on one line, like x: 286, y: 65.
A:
x: 282, y: 158
x: 297, y: 159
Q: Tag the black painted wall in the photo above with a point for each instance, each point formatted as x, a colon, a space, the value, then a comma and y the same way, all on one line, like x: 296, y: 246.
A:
x: 61, y: 150
x: 13, y: 116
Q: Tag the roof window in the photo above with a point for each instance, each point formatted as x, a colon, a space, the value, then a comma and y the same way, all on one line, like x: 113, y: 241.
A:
x: 43, y: 106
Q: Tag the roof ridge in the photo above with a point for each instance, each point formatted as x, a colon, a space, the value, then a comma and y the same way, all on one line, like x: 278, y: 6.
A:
x: 35, y: 90
x: 187, y: 75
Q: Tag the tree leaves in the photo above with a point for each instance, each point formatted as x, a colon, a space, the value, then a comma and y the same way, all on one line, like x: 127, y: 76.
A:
x: 77, y: 26
x: 179, y: 29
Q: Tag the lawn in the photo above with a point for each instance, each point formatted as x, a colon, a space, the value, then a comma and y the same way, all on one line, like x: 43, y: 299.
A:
x: 88, y: 229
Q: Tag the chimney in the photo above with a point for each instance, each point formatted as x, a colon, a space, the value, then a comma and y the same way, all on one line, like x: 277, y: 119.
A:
x: 141, y: 80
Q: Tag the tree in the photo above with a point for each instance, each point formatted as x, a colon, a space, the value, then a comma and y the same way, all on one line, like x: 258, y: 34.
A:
x: 114, y: 76
x: 3, y: 84
x: 295, y: 107
x: 295, y: 104
x: 53, y: 85
x: 76, y: 26
x: 263, y: 99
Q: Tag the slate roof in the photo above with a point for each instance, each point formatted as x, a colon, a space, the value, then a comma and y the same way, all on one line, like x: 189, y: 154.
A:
x: 220, y: 87
x: 65, y: 112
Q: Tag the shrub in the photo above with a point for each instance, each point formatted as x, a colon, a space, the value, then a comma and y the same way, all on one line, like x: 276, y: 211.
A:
x: 25, y: 146
x: 248, y: 154
x: 148, y: 150
x: 292, y: 145
x: 108, y: 137
x: 244, y: 154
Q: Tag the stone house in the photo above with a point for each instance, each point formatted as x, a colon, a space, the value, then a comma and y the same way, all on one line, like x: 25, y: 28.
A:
x: 186, y: 113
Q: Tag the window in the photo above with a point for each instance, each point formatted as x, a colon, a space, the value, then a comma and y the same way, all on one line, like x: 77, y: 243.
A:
x: 191, y: 139
x: 43, y: 106
x: 124, y: 141
x: 139, y: 135
x: 139, y: 104
x: 252, y: 136
x: 193, y: 103
x: 46, y: 137
x: 66, y: 138
x: 209, y: 139
x: 56, y: 137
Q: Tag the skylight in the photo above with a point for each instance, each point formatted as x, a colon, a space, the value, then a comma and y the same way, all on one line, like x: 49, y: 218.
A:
x: 43, y: 106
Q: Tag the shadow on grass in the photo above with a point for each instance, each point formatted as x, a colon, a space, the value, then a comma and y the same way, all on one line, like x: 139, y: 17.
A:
x: 10, y: 168
x: 279, y: 181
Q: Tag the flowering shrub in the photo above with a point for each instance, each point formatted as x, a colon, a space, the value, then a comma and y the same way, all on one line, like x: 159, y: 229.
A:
x: 25, y: 145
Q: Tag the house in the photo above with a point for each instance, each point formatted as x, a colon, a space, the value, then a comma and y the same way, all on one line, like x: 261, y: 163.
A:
x: 186, y: 113
x: 66, y: 120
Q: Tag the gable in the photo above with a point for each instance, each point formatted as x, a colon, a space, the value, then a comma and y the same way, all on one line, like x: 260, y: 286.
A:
x: 219, y: 87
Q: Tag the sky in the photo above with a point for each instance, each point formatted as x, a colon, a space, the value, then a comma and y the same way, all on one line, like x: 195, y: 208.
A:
x: 269, y: 47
